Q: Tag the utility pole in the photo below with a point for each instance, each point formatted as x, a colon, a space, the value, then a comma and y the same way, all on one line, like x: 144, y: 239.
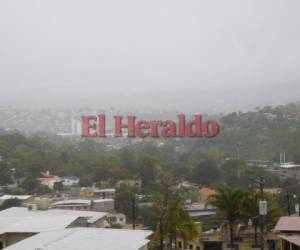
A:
x: 255, y: 222
x: 262, y: 211
x: 288, y: 197
x: 133, y: 212
x: 298, y: 199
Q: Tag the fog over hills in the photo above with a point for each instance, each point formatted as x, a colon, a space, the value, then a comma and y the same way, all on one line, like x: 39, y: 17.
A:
x: 207, y: 56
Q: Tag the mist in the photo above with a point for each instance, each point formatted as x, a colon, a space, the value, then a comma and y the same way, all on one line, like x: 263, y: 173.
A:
x: 156, y: 55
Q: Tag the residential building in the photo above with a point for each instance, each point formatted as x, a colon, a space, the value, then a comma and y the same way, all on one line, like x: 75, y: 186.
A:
x: 99, y: 205
x: 129, y: 183
x: 116, y: 218
x: 70, y: 181
x: 92, y: 192
x: 288, y: 230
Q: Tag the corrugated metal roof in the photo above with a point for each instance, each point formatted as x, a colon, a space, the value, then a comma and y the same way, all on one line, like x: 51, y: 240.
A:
x: 85, y: 238
x: 34, y: 224
x: 22, y: 215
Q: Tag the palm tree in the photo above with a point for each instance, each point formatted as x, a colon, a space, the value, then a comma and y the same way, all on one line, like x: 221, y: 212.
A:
x: 174, y: 221
x: 178, y: 224
x: 227, y: 201
x: 250, y: 210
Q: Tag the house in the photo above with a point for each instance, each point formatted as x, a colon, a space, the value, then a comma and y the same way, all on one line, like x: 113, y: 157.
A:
x: 48, y: 180
x: 271, y: 191
x: 70, y: 181
x: 92, y: 192
x: 205, y: 193
x: 116, y: 218
x: 86, y: 238
x: 18, y: 223
x: 129, y: 183
x: 288, y: 230
x: 200, y: 209
x: 100, y: 205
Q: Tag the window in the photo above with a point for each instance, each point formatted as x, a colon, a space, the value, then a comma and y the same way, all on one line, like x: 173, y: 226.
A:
x: 179, y: 244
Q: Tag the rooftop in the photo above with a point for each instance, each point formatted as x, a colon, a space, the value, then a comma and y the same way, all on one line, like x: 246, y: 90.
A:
x: 295, y: 239
x: 19, y: 197
x: 34, y: 224
x: 290, y: 224
x: 22, y: 213
x: 80, y: 202
x: 85, y: 238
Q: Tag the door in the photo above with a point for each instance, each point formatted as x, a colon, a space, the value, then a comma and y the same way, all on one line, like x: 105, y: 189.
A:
x: 212, y: 245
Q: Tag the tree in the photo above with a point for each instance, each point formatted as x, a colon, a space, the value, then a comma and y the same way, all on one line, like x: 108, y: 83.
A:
x: 250, y: 209
x: 58, y: 186
x: 10, y: 203
x: 178, y: 224
x: 31, y: 185
x: 86, y: 181
x: 206, y: 172
x: 147, y: 170
x: 173, y: 220
x: 227, y: 201
x: 124, y: 202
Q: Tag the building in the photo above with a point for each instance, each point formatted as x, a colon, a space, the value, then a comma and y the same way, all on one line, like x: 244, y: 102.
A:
x: 271, y: 191
x: 48, y: 180
x: 92, y: 192
x: 101, y: 205
x: 19, y: 223
x: 288, y: 230
x: 205, y: 193
x: 86, y: 238
x: 116, y: 218
x: 129, y: 183
x: 196, y: 210
x: 70, y: 181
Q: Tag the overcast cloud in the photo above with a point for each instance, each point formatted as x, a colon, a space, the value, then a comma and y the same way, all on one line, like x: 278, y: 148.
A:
x: 160, y: 54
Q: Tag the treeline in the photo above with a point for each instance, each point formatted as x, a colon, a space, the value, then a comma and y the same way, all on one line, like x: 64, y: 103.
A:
x: 24, y: 158
x: 261, y: 134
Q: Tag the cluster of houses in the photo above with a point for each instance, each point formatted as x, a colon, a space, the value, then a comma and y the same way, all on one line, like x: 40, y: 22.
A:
x: 82, y: 218
x: 67, y: 225
x: 31, y: 228
x: 74, y: 220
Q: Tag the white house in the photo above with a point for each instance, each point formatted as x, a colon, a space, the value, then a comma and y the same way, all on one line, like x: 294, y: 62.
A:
x: 116, y: 218
x: 70, y: 181
x: 99, y: 205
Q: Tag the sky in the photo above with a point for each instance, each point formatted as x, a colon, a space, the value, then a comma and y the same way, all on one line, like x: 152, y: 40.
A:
x: 155, y: 55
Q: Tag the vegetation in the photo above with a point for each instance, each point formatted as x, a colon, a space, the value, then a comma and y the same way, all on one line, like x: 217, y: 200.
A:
x: 237, y: 206
x: 162, y: 164
x: 227, y: 201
